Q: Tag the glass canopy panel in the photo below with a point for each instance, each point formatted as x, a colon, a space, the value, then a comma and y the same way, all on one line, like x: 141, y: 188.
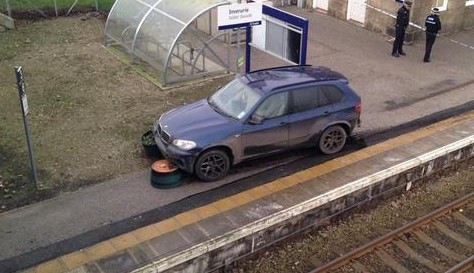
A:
x: 124, y: 20
x: 186, y: 10
x: 151, y: 30
x: 155, y: 38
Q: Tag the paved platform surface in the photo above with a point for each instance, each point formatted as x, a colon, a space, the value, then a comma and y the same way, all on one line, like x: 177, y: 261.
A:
x: 394, y: 91
x: 200, y: 230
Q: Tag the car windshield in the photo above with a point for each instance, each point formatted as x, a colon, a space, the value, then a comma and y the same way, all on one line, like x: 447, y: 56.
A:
x: 235, y: 99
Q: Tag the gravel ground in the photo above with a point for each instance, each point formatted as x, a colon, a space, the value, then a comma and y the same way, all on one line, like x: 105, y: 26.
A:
x: 306, y: 252
x: 87, y: 109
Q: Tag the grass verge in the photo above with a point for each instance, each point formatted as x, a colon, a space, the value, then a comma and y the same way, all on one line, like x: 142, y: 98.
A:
x: 51, y: 5
x: 88, y: 110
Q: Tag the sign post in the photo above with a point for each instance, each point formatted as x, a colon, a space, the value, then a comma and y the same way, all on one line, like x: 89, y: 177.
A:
x: 20, y: 81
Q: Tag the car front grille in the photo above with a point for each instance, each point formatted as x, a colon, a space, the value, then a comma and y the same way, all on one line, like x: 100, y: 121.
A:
x: 163, y: 134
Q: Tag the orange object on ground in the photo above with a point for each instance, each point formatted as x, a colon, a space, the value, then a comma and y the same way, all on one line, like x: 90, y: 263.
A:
x: 163, y: 166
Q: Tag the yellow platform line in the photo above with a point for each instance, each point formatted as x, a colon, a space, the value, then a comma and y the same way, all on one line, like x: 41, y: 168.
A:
x: 103, y: 249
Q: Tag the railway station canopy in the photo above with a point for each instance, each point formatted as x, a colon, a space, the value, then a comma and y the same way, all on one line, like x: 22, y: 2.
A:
x: 178, y: 38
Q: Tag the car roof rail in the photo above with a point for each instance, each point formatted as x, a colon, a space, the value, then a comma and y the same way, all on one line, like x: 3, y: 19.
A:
x: 280, y: 67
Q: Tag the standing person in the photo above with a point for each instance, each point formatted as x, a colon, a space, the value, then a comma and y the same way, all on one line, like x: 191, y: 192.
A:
x: 403, y: 18
x: 433, y: 25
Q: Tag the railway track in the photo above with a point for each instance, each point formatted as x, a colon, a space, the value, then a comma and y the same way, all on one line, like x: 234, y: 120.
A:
x: 441, y: 241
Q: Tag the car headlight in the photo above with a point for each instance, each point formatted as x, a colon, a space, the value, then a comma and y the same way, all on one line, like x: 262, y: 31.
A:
x: 184, y: 144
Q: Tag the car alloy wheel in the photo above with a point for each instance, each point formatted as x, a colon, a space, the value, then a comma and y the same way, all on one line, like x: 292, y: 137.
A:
x: 212, y: 165
x: 332, y: 140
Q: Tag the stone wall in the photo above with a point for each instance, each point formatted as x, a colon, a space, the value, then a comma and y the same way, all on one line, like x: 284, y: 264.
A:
x: 392, y: 185
x: 468, y: 17
x: 380, y: 17
x: 452, y: 20
x: 338, y: 9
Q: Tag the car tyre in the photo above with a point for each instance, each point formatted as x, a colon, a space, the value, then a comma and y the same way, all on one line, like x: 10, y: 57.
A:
x: 332, y: 140
x: 212, y: 165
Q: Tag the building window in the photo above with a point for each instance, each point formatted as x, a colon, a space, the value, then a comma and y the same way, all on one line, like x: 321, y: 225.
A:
x: 469, y: 2
x: 442, y: 4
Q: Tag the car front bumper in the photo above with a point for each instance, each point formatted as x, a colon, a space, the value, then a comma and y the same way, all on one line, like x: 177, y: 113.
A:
x: 184, y: 160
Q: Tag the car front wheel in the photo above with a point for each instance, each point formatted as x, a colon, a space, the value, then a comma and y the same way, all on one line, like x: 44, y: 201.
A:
x: 212, y: 165
x: 332, y: 140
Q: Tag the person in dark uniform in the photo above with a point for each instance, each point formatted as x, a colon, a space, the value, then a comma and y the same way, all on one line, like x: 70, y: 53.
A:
x: 403, y: 19
x: 433, y: 25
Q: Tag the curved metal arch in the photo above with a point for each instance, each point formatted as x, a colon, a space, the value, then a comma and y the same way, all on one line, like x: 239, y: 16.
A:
x: 112, y: 11
x: 121, y: 15
x: 201, y: 53
x: 139, y: 26
x: 173, y: 44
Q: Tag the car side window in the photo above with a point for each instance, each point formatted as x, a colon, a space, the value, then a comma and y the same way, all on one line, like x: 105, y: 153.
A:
x: 331, y: 93
x: 316, y: 96
x: 305, y: 99
x: 274, y: 106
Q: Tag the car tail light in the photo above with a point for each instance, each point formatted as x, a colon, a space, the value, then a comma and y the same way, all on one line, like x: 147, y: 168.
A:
x: 359, y: 107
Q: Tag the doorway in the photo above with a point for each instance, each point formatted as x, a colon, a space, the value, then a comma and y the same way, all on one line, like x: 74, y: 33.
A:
x: 356, y: 11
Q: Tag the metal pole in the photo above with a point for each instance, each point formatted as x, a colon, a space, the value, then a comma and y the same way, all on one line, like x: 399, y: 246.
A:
x: 56, y: 8
x: 70, y: 9
x: 30, y: 150
x: 229, y: 43
x: 24, y: 110
x: 248, y: 39
x: 9, y: 9
x: 304, y: 43
x: 238, y: 51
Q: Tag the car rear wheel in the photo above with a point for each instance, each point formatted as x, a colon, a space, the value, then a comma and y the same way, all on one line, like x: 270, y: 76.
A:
x: 212, y: 165
x: 332, y: 140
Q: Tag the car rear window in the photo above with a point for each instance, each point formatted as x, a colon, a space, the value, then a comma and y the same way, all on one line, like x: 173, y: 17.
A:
x: 308, y: 98
x: 332, y: 93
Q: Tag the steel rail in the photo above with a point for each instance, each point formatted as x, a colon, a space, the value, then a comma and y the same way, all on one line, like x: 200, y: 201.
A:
x: 462, y: 266
x: 371, y: 246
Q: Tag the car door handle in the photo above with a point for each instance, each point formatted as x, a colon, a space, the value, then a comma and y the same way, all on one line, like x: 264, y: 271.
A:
x: 326, y: 113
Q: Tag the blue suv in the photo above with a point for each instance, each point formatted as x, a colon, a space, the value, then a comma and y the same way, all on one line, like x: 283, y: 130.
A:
x: 257, y: 114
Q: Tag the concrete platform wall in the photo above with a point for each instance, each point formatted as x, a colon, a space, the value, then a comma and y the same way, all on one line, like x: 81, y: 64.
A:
x: 313, y: 213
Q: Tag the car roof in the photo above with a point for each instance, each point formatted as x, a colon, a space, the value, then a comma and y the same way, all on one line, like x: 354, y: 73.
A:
x: 270, y: 79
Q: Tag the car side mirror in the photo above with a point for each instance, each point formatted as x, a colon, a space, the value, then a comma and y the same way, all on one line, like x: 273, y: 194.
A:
x: 256, y: 119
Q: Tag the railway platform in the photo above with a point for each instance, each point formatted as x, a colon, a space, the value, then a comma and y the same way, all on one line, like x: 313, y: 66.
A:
x: 56, y: 235
x: 216, y: 234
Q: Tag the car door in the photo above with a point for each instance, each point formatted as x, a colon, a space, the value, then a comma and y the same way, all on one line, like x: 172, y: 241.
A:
x: 311, y: 111
x: 271, y: 134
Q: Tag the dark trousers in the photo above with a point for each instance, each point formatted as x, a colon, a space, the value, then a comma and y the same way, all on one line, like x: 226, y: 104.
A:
x: 399, y: 37
x: 430, y: 39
